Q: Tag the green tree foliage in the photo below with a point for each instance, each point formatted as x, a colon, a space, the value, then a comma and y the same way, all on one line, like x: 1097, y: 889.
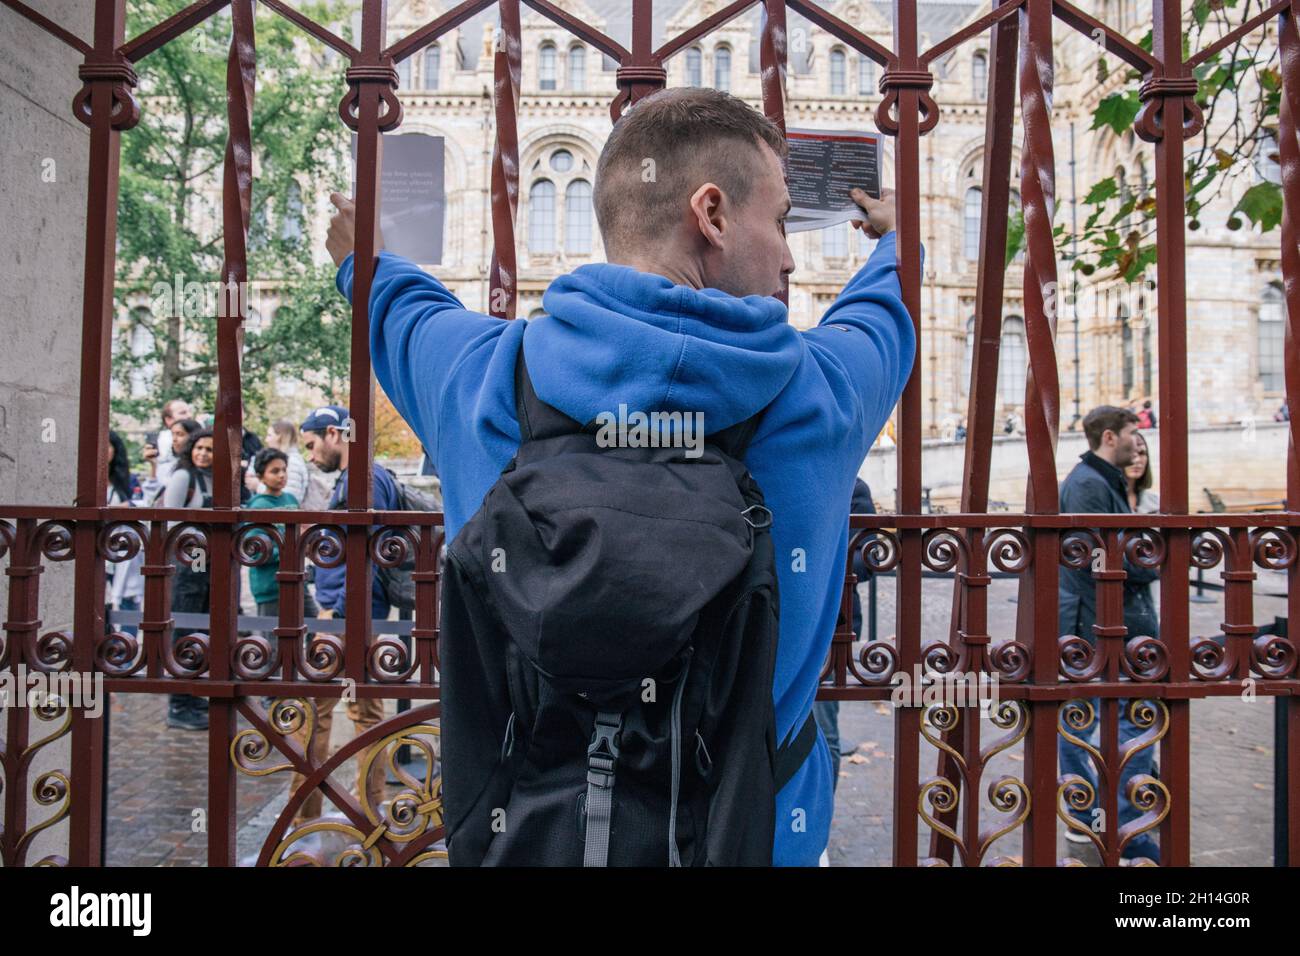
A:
x: 1241, y: 83
x: 169, y: 213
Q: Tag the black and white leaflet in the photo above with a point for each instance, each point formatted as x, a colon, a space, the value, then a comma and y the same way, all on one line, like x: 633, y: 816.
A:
x: 823, y: 166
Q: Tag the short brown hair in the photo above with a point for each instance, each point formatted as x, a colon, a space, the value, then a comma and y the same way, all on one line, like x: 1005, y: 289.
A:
x: 690, y: 136
x: 1106, y: 418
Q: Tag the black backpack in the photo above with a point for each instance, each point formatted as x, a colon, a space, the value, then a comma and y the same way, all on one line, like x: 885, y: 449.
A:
x: 608, y: 639
x: 398, y: 582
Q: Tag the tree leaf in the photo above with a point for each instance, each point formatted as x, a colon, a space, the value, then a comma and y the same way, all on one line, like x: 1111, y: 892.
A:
x: 1101, y: 190
x: 1117, y: 111
x: 1262, y: 205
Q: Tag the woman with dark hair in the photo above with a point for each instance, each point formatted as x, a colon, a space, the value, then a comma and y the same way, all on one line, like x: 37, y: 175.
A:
x: 1141, y: 617
x: 1141, y: 498
x: 125, y: 580
x: 181, y: 430
x: 190, y: 486
x: 123, y: 486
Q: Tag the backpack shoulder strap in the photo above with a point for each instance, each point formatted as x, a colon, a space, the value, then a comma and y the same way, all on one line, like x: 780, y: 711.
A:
x: 790, y: 756
x: 735, y: 439
x: 537, y: 420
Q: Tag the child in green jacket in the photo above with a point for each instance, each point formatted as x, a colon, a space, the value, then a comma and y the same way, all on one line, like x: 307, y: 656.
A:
x: 272, y: 467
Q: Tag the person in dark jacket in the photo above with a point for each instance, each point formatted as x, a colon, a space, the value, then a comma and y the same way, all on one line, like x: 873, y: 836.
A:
x: 827, y: 712
x: 326, y: 440
x: 1097, y: 485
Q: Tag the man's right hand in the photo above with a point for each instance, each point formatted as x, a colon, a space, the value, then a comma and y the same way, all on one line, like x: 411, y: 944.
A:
x: 880, y: 212
x: 324, y: 614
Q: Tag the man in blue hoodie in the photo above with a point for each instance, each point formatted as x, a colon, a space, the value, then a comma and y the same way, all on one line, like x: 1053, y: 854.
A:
x: 691, y: 201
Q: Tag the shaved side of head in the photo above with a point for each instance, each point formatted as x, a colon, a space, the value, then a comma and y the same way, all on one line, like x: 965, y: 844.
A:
x: 667, y: 146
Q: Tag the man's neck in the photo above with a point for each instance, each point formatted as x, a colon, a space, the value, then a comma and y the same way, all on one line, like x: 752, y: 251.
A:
x: 691, y: 276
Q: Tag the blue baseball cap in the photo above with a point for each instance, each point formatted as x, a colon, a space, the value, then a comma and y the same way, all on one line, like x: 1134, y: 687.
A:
x: 324, y: 417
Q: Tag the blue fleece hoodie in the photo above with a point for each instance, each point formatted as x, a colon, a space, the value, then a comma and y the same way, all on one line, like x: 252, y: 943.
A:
x: 615, y: 335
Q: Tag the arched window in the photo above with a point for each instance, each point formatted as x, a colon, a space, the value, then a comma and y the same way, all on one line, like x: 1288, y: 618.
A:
x: 546, y: 67
x: 1013, y: 362
x: 969, y: 356
x: 971, y: 223
x: 404, y: 74
x: 979, y: 76
x: 577, y: 217
x: 1270, y: 336
x: 694, y: 67
x: 1146, y: 353
x: 1014, y: 209
x: 541, y: 217
x: 866, y: 75
x: 291, y: 221
x: 1128, y: 350
x: 838, y: 81
x: 1121, y: 192
x: 1267, y: 156
x: 142, y: 345
x: 835, y: 242
x: 577, y: 68
x: 722, y: 69
x: 432, y: 66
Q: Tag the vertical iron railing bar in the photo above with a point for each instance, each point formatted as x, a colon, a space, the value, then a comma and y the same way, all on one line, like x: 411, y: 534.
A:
x: 999, y: 124
x: 1172, y: 91
x: 503, y: 271
x: 228, y: 430
x: 111, y: 108
x: 907, y: 96
x: 1037, y: 607
x: 374, y: 80
x: 1289, y: 116
x: 772, y: 52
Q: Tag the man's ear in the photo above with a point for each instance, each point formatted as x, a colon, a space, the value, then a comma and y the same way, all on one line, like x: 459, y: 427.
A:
x: 706, y: 204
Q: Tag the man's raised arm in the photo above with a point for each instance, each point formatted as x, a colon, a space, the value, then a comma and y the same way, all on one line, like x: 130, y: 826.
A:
x: 865, y: 342
x: 419, y: 331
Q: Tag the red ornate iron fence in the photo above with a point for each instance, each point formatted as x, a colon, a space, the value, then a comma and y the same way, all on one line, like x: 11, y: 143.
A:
x: 1047, y: 679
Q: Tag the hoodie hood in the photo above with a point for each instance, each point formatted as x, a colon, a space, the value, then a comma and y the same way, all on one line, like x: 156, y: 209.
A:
x: 613, y: 334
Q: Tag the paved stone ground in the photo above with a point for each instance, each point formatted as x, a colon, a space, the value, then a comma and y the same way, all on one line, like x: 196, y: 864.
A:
x: 158, y: 776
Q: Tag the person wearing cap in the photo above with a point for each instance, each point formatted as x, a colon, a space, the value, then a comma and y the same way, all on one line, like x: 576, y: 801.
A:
x: 326, y: 436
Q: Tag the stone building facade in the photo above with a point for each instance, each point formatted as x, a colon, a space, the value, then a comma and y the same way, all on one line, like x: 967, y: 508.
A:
x: 1107, y: 346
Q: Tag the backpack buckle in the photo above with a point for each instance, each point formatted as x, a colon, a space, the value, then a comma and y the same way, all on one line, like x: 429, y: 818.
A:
x: 765, y: 517
x: 602, y: 753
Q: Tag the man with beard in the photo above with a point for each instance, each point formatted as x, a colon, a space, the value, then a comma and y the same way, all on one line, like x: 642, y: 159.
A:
x: 326, y: 440
x: 1098, y: 485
